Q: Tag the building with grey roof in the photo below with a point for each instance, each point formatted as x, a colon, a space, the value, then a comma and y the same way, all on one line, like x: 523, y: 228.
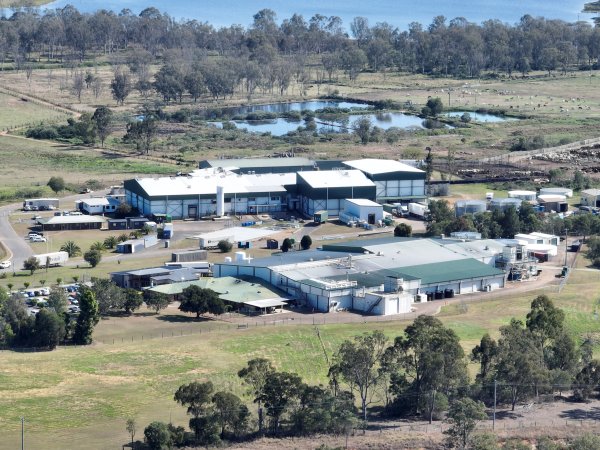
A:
x: 358, y: 275
x: 394, y: 180
x: 58, y: 223
x: 267, y: 185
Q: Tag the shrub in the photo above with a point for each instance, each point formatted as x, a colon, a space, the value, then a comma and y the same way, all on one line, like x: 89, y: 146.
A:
x: 224, y: 245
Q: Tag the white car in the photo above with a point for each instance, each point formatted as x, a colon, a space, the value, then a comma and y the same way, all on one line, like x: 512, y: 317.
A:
x: 37, y: 239
x: 5, y: 264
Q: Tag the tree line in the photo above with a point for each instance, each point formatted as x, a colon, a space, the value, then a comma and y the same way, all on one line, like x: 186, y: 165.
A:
x: 421, y: 374
x: 454, y: 47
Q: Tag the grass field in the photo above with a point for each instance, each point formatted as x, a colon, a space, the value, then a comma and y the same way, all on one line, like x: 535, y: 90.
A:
x: 15, y: 112
x: 76, y: 394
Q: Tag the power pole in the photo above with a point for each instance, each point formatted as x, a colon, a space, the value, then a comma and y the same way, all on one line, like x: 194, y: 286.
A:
x: 566, y: 246
x: 22, y: 433
x: 494, y: 416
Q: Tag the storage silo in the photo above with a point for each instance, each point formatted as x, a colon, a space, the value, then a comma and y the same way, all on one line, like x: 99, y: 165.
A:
x: 526, y: 196
x: 220, y: 201
x: 502, y: 204
x: 462, y: 207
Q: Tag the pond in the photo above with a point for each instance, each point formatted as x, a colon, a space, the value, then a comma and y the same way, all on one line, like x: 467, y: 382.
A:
x: 310, y: 105
x: 481, y: 117
x: 330, y: 123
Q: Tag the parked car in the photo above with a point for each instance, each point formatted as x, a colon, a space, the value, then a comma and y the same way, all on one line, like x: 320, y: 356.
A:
x: 35, y: 233
x: 37, y: 239
x: 5, y: 264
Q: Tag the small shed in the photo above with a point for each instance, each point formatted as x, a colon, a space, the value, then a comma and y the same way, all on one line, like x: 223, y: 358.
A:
x: 557, y: 203
x: 136, y: 245
x: 364, y: 209
x: 189, y: 256
x: 117, y: 224
x: 590, y: 197
x: 136, y: 223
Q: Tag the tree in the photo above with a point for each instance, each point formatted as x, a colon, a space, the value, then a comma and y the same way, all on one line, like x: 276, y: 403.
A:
x: 485, y: 354
x: 131, y: 428
x: 57, y: 300
x: 286, y: 245
x: 98, y: 245
x: 231, y: 412
x: 92, y: 257
x: 123, y: 210
x: 88, y: 317
x: 109, y: 296
x: 224, y: 245
x: 403, y: 230
x: 197, y: 300
x: 587, y: 380
x: 156, y: 300
x: 255, y: 375
x: 133, y: 300
x: 102, y: 119
x: 358, y: 362
x: 120, y: 86
x: 278, y: 392
x: 142, y: 133
x: 78, y: 83
x: 305, y: 242
x: 428, y: 359
x: 110, y: 242
x: 157, y: 436
x: 57, y: 184
x: 463, y: 416
x: 544, y: 320
x: 32, y: 264
x: 71, y: 248
x: 197, y: 397
x: 49, y: 329
x: 433, y: 107
x: 520, y: 362
x: 362, y: 128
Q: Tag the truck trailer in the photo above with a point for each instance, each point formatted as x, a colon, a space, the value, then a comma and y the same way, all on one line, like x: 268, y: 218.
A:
x: 52, y: 259
x: 418, y: 210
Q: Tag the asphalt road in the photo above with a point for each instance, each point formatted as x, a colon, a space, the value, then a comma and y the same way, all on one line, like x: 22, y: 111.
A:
x: 17, y: 246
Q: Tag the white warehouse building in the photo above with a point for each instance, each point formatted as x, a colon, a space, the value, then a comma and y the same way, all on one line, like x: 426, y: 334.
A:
x: 220, y: 190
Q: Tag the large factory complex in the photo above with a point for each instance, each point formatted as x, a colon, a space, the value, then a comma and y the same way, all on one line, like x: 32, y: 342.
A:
x: 224, y: 187
x: 380, y: 276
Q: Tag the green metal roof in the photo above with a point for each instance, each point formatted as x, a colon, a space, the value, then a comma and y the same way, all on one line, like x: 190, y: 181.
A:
x: 231, y: 289
x: 461, y: 269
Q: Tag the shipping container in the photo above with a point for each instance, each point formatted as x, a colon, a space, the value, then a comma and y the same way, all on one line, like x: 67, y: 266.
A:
x: 321, y: 216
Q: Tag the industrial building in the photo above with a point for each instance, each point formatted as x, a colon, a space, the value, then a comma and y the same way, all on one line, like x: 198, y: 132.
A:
x: 97, y: 205
x: 210, y: 192
x: 271, y: 185
x: 362, y: 210
x: 394, y: 181
x: 328, y: 190
x: 246, y: 295
x: 590, y: 197
x: 260, y: 165
x: 61, y: 223
x: 556, y: 203
x: 376, y: 276
x: 155, y: 276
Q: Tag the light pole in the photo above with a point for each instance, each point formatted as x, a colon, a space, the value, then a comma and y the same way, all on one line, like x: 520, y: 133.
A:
x: 566, y: 246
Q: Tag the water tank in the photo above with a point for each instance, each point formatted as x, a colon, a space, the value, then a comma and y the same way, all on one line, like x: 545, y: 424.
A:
x: 527, y: 196
x: 503, y: 204
x: 220, y: 201
x: 509, y: 254
x: 463, y: 207
x: 557, y: 191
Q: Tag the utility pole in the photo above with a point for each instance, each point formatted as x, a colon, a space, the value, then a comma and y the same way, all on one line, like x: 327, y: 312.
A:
x: 22, y: 433
x: 566, y: 246
x: 494, y: 416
